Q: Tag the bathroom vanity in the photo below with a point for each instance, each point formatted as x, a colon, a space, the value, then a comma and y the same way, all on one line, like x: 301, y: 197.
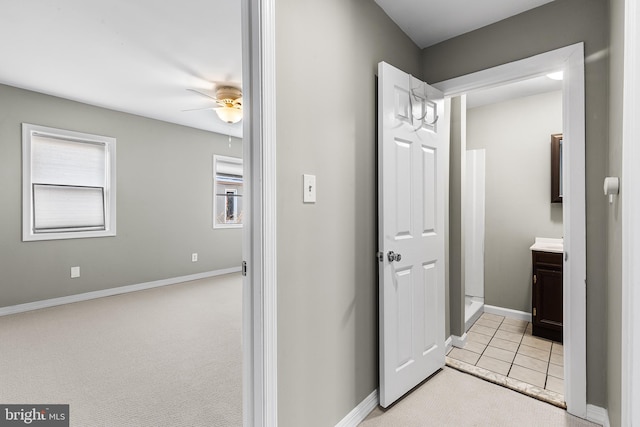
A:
x: 546, y: 302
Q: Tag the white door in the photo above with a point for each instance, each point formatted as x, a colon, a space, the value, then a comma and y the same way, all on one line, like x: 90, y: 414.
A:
x: 413, y: 143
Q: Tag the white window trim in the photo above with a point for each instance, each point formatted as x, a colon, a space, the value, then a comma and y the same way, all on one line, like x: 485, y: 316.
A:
x: 216, y: 159
x: 28, y: 130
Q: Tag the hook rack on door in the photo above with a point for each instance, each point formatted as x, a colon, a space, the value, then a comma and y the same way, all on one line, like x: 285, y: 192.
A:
x: 425, y: 100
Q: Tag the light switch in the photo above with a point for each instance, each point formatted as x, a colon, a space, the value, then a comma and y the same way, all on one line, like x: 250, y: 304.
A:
x: 75, y: 272
x: 309, y: 188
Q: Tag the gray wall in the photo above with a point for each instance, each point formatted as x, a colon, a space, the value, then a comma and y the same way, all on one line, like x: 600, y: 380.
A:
x: 164, y: 204
x: 614, y: 226
x: 517, y: 137
x: 455, y: 253
x: 326, y: 61
x: 554, y: 25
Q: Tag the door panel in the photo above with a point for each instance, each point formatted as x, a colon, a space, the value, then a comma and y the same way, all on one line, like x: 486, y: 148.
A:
x: 549, y: 295
x: 403, y: 188
x: 402, y: 106
x: 404, y: 297
x: 429, y: 199
x: 412, y: 142
x: 430, y: 281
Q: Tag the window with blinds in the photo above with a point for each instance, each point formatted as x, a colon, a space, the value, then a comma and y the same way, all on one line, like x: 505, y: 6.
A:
x: 68, y: 184
x: 227, y: 192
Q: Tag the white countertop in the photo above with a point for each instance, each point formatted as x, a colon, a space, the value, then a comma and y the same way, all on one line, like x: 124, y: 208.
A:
x: 544, y: 244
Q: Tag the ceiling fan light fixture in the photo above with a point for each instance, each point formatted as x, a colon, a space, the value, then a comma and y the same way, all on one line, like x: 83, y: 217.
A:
x: 229, y: 103
x: 229, y: 114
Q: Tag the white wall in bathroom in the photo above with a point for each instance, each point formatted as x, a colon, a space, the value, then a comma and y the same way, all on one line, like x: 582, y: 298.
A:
x: 516, y: 135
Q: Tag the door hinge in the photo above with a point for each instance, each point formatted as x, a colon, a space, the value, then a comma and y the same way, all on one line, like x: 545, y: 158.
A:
x: 535, y: 278
x: 380, y: 256
x: 244, y: 268
x: 534, y: 312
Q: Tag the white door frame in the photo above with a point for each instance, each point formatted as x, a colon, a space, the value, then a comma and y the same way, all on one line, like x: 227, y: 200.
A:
x: 630, y: 213
x: 259, y: 329
x: 571, y: 60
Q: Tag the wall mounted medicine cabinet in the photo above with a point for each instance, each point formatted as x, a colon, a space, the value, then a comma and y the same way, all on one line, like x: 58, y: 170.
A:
x: 556, y: 168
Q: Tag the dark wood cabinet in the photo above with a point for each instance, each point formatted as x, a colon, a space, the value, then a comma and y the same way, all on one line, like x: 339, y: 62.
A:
x: 547, y: 295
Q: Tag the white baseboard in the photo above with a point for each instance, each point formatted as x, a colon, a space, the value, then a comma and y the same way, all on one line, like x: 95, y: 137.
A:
x: 507, y: 312
x: 598, y: 415
x: 456, y: 341
x: 360, y: 412
x: 478, y: 307
x: 36, y: 305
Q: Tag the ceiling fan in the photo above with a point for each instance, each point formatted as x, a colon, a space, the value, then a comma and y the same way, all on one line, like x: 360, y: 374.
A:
x: 229, y: 103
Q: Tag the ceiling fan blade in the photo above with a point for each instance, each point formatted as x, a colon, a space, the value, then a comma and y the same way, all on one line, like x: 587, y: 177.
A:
x: 204, y: 94
x: 201, y: 109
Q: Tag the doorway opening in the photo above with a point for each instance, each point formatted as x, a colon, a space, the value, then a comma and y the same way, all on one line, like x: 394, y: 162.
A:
x: 164, y: 204
x: 570, y: 59
x: 508, y: 175
x: 508, y: 147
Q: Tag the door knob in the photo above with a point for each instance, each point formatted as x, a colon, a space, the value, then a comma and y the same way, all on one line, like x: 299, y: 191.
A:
x: 392, y: 256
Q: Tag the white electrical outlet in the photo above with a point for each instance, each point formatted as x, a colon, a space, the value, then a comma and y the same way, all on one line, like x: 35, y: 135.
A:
x: 75, y: 272
x: 194, y: 257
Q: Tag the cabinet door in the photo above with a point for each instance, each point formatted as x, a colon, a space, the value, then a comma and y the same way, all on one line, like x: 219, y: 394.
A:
x: 548, y: 299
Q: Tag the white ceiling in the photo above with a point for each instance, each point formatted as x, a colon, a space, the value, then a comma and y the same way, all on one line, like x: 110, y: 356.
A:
x: 428, y: 22
x: 140, y: 56
x: 137, y: 56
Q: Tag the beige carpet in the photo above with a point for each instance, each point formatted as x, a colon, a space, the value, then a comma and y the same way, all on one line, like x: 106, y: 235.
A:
x: 168, y: 356
x: 453, y: 398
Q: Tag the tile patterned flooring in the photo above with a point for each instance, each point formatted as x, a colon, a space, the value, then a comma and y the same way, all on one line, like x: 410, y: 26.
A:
x: 502, y: 350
